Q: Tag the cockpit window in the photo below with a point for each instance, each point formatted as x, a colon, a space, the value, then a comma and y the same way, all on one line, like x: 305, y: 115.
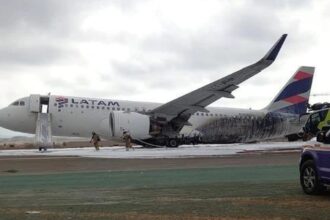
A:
x: 18, y: 103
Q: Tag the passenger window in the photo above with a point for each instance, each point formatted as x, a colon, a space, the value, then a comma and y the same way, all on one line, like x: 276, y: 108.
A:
x: 15, y: 103
x: 21, y: 103
x: 197, y: 113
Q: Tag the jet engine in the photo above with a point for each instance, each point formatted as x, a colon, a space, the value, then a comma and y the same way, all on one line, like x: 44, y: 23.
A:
x: 138, y: 125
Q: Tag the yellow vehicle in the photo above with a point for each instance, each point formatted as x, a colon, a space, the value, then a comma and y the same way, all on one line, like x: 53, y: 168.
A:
x: 318, y: 120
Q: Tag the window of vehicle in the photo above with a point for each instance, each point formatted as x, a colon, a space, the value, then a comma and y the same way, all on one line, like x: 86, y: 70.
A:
x: 21, y: 103
x: 323, y: 114
x: 315, y: 118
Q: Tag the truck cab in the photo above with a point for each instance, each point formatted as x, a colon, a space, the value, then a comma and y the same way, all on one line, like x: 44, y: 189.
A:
x: 317, y: 121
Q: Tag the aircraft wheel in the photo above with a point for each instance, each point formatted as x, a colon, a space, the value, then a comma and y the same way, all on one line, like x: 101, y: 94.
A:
x: 42, y: 149
x: 173, y: 143
x: 309, y: 179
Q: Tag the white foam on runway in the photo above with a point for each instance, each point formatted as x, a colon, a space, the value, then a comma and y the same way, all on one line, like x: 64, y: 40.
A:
x: 183, y: 151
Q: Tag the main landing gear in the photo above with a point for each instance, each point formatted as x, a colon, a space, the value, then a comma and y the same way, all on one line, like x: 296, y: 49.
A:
x: 172, y: 142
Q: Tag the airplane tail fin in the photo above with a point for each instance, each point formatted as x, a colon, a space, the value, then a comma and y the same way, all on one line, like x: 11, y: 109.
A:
x: 294, y: 96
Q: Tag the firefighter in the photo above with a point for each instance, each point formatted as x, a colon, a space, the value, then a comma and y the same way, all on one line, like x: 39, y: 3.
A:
x: 128, y: 140
x: 95, y: 139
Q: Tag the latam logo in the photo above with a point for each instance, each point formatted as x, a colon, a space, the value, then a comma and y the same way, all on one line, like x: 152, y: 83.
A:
x: 63, y: 100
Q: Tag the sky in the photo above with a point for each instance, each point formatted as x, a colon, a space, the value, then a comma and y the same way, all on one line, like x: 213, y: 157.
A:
x: 157, y: 50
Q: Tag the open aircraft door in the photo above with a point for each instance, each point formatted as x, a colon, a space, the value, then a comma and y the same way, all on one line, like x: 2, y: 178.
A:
x: 40, y: 104
x: 35, y: 103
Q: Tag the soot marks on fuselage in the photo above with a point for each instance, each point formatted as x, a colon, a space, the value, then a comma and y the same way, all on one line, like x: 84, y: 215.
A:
x: 245, y: 128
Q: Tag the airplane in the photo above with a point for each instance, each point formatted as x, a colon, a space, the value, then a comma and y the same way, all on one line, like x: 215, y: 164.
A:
x: 161, y: 124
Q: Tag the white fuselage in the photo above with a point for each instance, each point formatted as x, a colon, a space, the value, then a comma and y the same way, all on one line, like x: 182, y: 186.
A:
x: 79, y: 116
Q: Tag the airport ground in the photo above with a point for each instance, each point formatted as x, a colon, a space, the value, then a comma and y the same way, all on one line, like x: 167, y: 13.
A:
x: 245, y: 186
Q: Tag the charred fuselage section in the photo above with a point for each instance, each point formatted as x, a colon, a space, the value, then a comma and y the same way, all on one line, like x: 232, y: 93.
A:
x: 249, y: 128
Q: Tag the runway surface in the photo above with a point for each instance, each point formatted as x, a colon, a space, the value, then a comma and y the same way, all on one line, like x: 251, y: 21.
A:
x: 253, y: 182
x: 45, y: 164
x: 184, y: 151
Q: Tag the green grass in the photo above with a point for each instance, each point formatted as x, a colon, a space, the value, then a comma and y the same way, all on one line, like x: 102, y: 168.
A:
x: 211, y: 193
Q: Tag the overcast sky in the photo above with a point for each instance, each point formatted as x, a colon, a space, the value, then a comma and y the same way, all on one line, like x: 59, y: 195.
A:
x: 158, y: 50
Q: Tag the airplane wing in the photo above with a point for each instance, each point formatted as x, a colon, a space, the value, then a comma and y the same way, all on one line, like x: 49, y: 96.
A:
x: 198, y: 99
